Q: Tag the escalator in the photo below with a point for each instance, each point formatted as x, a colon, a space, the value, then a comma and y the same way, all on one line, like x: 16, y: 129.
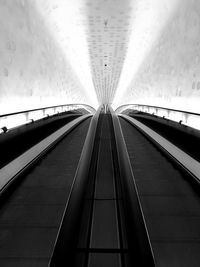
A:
x: 105, y: 195
x: 31, y: 209
x: 170, y: 199
x: 99, y: 229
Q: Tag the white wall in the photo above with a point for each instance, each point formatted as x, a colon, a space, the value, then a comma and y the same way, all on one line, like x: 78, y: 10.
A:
x: 33, y: 70
x: 170, y: 73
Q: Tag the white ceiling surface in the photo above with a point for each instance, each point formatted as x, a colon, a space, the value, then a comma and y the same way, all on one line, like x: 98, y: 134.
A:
x: 100, y: 51
x: 168, y: 73
x: 94, y: 37
x: 37, y: 67
x: 107, y: 36
x: 97, y: 34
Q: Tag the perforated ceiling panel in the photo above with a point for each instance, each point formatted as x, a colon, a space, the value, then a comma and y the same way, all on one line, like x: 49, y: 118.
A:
x: 107, y: 37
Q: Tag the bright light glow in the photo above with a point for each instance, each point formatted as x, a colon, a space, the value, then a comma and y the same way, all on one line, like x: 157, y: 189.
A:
x: 191, y: 120
x: 67, y: 21
x: 148, y: 20
x: 90, y: 38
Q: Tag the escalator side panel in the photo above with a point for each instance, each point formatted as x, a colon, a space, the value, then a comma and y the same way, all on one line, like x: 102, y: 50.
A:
x: 30, y: 219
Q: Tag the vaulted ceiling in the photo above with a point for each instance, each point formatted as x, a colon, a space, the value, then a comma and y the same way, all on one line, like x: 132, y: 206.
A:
x: 99, y: 51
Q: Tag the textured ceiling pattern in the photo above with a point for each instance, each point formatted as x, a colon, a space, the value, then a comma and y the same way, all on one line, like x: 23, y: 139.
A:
x: 99, y: 51
x: 94, y: 36
x: 107, y: 36
x: 34, y: 70
x: 67, y: 22
x: 169, y: 74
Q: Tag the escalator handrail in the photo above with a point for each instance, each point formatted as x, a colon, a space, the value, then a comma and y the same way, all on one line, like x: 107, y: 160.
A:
x: 48, y: 107
x: 9, y: 173
x: 138, y: 235
x: 155, y: 107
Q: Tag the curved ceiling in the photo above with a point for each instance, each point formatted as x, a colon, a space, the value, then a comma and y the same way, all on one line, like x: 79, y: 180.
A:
x: 99, y: 51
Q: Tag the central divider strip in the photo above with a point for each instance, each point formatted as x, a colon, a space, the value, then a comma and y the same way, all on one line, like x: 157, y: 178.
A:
x: 138, y: 239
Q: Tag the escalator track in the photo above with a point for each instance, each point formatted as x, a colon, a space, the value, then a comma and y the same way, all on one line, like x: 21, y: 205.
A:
x: 31, y: 209
x: 170, y: 200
